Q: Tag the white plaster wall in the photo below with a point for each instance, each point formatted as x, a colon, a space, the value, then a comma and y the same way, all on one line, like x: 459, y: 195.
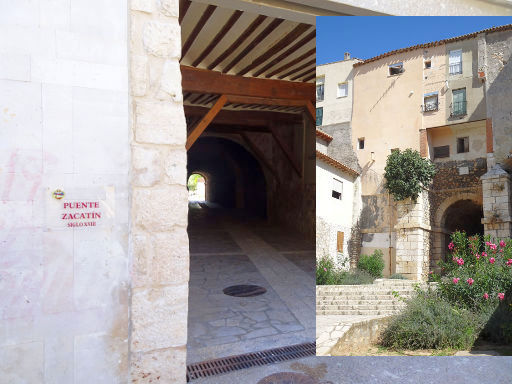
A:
x: 321, y: 145
x: 337, y: 214
x: 336, y: 109
x: 63, y: 124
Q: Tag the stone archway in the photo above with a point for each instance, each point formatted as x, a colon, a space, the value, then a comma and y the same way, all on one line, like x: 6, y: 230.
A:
x: 458, y: 212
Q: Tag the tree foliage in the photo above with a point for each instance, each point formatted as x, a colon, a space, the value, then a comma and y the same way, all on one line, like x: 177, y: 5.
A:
x: 407, y: 173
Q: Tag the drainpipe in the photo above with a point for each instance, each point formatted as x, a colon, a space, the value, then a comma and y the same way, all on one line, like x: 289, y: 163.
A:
x: 389, y: 238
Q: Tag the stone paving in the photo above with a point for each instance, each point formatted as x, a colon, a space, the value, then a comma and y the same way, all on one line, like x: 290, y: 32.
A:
x: 224, y: 252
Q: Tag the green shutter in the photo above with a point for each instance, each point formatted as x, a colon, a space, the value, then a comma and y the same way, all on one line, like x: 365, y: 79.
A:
x: 319, y: 116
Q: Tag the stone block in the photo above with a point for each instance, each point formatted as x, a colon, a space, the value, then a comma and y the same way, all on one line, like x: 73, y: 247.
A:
x: 54, y: 13
x: 102, y: 355
x: 169, y: 7
x: 159, y: 318
x: 59, y: 359
x: 175, y: 167
x: 14, y: 67
x: 92, y: 48
x: 146, y: 166
x: 27, y: 40
x: 162, y: 39
x: 143, y: 254
x: 171, y: 258
x: 99, y: 17
x: 139, y: 75
x: 170, y: 82
x: 22, y: 363
x: 164, y: 366
x: 160, y: 209
x: 160, y: 123
x: 20, y: 12
x: 142, y: 5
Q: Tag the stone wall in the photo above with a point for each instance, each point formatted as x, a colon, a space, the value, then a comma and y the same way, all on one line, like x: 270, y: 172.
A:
x: 340, y: 148
x: 64, y: 309
x: 159, y: 241
x: 497, y: 191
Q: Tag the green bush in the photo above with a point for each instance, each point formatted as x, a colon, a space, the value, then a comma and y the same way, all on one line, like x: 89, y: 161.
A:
x: 398, y: 276
x: 328, y: 274
x: 406, y: 173
x: 355, y: 278
x: 373, y: 264
x: 431, y: 322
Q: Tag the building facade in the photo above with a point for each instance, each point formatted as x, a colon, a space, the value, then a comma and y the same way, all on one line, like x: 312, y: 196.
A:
x: 433, y: 98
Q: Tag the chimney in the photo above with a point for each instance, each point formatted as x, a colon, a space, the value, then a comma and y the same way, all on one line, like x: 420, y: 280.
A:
x: 347, y: 56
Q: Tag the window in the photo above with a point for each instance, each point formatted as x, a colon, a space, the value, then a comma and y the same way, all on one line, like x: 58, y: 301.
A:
x: 462, y: 144
x: 396, y: 69
x: 430, y: 102
x: 458, y: 102
x: 440, y: 152
x: 342, y: 90
x: 361, y: 143
x: 337, y: 189
x: 340, y: 238
x: 455, y: 62
x: 319, y: 115
x: 428, y: 64
x: 320, y: 88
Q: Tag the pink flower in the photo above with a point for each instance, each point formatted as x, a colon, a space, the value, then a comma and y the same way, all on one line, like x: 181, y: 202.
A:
x: 502, y: 243
x: 325, y: 269
x: 451, y: 246
x: 509, y: 262
x: 501, y: 296
x: 431, y: 272
x: 486, y: 295
x: 487, y: 243
x: 460, y: 261
x: 493, y: 246
x: 484, y: 254
x: 492, y: 260
x: 455, y: 280
x: 501, y: 250
x: 470, y: 281
x: 477, y: 256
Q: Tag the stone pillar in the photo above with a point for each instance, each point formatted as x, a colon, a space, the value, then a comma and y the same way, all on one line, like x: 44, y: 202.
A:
x: 159, y: 241
x: 497, y: 199
x: 413, y: 237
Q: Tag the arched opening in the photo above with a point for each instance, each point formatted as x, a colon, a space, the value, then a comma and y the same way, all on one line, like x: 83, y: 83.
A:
x: 196, y: 185
x: 462, y: 216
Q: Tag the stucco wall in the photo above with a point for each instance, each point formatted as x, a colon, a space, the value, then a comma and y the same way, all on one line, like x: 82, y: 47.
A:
x: 64, y: 125
x: 336, y: 109
x: 333, y: 215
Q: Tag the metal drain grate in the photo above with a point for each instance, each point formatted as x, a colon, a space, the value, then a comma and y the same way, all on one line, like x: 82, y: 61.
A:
x: 244, y: 290
x: 248, y: 360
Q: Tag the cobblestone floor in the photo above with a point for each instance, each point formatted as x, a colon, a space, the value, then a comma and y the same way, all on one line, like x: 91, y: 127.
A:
x: 225, y: 251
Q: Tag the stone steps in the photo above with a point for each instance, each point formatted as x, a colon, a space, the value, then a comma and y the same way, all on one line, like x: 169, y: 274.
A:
x: 370, y: 299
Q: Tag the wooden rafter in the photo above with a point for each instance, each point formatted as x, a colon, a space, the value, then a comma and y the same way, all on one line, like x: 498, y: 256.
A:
x: 266, y: 101
x: 288, y: 154
x: 310, y: 77
x: 311, y: 109
x: 299, y: 68
x: 259, y: 155
x: 250, y: 29
x: 216, y: 40
x: 286, y: 66
x: 197, y: 29
x: 313, y: 69
x: 288, y: 52
x: 197, y: 80
x: 249, y: 118
x: 258, y: 39
x: 184, y: 5
x: 281, y: 44
x: 201, y: 126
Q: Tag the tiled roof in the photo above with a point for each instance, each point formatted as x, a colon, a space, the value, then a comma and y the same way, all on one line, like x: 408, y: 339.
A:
x: 436, y: 43
x: 336, y: 164
x: 323, y: 135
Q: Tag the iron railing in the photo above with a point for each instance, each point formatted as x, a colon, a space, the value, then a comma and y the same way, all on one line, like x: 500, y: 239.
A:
x: 432, y: 106
x: 458, y: 108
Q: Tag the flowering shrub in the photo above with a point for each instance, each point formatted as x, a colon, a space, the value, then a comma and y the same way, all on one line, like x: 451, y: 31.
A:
x: 479, y: 273
x: 328, y: 274
x: 373, y: 264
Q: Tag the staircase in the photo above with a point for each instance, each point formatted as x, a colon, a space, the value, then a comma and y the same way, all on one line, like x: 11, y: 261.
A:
x: 369, y: 299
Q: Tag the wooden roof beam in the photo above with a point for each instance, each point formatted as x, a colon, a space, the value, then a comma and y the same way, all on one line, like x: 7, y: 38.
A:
x: 207, y: 119
x: 197, y: 80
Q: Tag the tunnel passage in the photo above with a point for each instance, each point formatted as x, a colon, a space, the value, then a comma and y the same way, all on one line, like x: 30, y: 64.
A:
x: 234, y: 177
x: 463, y: 216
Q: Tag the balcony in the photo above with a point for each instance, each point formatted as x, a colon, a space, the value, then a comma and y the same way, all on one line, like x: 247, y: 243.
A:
x: 431, y: 106
x: 455, y: 69
x: 458, y: 108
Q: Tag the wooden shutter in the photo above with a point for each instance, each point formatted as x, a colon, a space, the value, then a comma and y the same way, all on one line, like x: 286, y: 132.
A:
x: 341, y: 236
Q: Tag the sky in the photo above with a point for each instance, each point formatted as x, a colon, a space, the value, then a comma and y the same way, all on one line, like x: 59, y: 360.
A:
x: 368, y: 36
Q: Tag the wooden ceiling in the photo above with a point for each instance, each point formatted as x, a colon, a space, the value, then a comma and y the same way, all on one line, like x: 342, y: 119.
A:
x: 241, y: 43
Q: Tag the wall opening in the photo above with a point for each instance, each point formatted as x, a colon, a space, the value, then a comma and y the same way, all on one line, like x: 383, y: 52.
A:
x: 196, y: 185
